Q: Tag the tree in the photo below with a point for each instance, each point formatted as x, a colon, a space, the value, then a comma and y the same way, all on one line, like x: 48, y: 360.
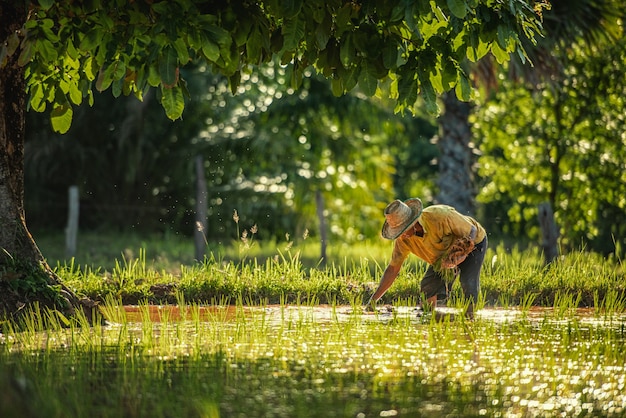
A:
x: 589, y: 21
x: 55, y: 53
x: 562, y: 145
x: 457, y: 156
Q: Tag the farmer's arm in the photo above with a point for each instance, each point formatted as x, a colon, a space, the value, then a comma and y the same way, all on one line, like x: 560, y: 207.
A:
x: 389, y: 276
x: 399, y: 254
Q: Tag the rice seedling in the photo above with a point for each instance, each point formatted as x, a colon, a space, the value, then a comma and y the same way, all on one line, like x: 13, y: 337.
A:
x: 309, y: 360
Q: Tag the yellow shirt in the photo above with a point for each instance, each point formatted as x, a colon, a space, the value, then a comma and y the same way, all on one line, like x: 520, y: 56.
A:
x: 442, y: 225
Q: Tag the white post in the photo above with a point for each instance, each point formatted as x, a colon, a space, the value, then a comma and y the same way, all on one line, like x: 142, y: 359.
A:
x: 201, y: 210
x: 71, y: 232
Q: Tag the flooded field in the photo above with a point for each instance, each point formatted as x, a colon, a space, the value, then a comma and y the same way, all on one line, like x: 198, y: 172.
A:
x: 508, y: 362
x: 300, y: 361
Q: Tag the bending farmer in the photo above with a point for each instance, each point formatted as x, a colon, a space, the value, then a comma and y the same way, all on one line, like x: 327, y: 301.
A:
x: 443, y: 238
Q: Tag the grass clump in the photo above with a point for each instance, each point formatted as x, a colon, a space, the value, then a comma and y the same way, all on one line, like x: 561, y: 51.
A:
x: 289, y: 272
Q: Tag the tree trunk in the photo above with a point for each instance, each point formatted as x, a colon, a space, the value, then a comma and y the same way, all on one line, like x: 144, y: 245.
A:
x: 549, y: 232
x: 201, y: 210
x: 319, y: 205
x: 456, y: 178
x: 22, y: 265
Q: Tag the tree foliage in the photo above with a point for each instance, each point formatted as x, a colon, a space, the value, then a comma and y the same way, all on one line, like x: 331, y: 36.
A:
x: 333, y: 146
x: 564, y: 145
x: 266, y: 151
x: 60, y: 51
x: 71, y: 48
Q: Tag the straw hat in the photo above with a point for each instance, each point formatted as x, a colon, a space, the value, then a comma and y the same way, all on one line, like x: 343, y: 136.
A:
x: 399, y: 216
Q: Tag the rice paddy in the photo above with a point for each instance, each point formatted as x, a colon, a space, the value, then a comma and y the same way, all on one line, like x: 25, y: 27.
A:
x: 235, y: 360
x: 279, y: 337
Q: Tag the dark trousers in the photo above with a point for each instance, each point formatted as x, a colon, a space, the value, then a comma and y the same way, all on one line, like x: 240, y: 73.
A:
x: 434, y: 283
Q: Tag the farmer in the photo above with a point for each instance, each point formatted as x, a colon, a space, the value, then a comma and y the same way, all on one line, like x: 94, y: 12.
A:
x: 450, y: 242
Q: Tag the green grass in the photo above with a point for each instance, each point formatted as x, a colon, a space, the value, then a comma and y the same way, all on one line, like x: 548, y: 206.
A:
x: 157, y: 269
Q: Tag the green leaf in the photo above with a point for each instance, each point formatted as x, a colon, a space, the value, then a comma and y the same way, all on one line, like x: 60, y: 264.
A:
x: 106, y: 21
x: 194, y: 39
x: 351, y: 77
x: 168, y: 65
x: 14, y: 42
x: 75, y: 94
x: 457, y: 7
x: 323, y: 32
x: 294, y: 73
x: 90, y: 40
x: 390, y: 55
x: 229, y: 62
x: 219, y: 35
x: 318, y: 11
x: 342, y: 19
x: 181, y: 51
x: 501, y: 55
x: 336, y: 86
x: 448, y: 74
x: 61, y: 118
x: 407, y: 88
x: 129, y: 84
x: 505, y: 36
x: 153, y: 76
x: 242, y: 34
x: 210, y: 49
x: 173, y: 102
x: 89, y: 69
x: 37, y: 98
x: 293, y: 32
x: 367, y: 41
x: 47, y: 50
x: 162, y: 8
x: 428, y: 93
x: 71, y: 50
x: 46, y: 4
x: 105, y: 78
x: 398, y: 12
x: 234, y: 81
x: 474, y: 54
x: 462, y: 89
x: 85, y: 87
x: 290, y: 8
x: 254, y: 46
x: 26, y: 54
x: 367, y: 79
x: 46, y: 28
x: 116, y: 88
x: 346, y: 51
x: 436, y: 81
x: 119, y: 69
x: 521, y: 53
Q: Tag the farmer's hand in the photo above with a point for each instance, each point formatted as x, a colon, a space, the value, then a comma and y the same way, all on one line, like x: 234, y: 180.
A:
x: 457, y: 252
x: 370, y: 306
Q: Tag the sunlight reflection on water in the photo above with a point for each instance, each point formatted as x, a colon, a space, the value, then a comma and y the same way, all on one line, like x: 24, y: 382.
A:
x: 508, y: 362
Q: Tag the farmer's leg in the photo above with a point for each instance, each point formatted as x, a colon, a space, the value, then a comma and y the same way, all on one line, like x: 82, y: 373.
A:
x: 432, y: 286
x: 470, y: 274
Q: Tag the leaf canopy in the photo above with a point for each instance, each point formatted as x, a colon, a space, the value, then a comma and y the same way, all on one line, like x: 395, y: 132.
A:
x: 69, y: 48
